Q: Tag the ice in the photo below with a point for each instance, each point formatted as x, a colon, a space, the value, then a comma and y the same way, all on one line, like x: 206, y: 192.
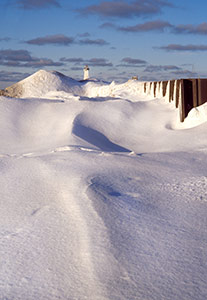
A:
x: 103, y: 193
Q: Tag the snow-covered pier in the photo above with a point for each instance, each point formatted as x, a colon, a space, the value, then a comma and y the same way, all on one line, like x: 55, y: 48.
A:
x: 185, y: 93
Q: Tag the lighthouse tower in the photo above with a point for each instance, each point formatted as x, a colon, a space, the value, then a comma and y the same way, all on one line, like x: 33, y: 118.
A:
x: 86, y: 72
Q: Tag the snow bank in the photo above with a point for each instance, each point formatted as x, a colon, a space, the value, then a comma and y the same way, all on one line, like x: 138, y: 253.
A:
x: 125, y: 119
x: 101, y: 197
x: 196, y: 117
x: 131, y: 89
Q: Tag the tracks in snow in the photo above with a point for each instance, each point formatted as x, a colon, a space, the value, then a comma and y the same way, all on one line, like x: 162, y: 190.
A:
x: 67, y: 149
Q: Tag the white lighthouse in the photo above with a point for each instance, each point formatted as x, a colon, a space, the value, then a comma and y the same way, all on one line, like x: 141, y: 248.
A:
x: 86, y: 72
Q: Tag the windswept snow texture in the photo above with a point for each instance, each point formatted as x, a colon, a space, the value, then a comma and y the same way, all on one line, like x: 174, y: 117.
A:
x: 103, y: 194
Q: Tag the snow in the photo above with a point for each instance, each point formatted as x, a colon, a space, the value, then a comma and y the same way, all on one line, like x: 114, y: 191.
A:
x: 196, y: 117
x: 103, y: 193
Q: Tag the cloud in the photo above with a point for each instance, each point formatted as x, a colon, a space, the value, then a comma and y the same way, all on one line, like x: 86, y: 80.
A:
x: 22, y: 58
x: 99, y: 62
x: 85, y: 34
x: 15, y: 55
x: 184, y: 73
x: 147, y: 26
x: 113, y: 69
x: 108, y: 25
x: 95, y: 62
x: 128, y: 62
x: 58, y: 39
x: 76, y: 69
x: 98, y: 42
x: 160, y: 26
x: 187, y: 65
x: 133, y: 61
x: 130, y: 66
x: 178, y: 47
x: 166, y: 72
x: 153, y: 68
x: 62, y: 40
x: 37, y: 4
x: 5, y: 39
x: 191, y: 29
x: 151, y: 78
x: 42, y: 62
x: 6, y: 76
x: 10, y: 63
x: 125, y: 9
x: 122, y: 73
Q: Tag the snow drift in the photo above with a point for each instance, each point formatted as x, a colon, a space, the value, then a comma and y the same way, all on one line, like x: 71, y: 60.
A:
x: 103, y: 193
x: 40, y: 83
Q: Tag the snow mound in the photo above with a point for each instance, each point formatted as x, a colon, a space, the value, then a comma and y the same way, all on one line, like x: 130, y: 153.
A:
x: 41, y: 83
x: 196, y: 117
x: 94, y: 137
x: 55, y: 85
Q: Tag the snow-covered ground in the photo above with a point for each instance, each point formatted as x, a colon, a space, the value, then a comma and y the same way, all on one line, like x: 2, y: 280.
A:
x: 103, y: 193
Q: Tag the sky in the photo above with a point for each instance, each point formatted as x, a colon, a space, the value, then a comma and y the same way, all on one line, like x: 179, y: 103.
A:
x: 118, y: 39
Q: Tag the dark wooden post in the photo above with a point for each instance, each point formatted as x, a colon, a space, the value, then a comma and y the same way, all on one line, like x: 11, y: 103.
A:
x: 155, y: 88
x: 171, y: 93
x: 202, y: 91
x: 164, y: 88
x: 195, y: 92
x: 150, y: 87
x: 145, y: 87
x: 177, y: 93
x: 186, y: 98
x: 181, y: 102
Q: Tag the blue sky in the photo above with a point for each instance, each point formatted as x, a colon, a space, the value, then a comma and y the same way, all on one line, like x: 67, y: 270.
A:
x: 154, y: 39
